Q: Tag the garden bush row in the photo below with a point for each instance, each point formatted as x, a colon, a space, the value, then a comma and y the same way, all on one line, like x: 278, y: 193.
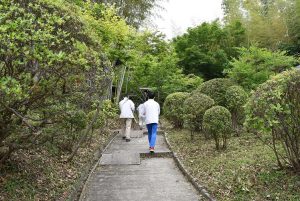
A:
x: 216, y: 97
x: 219, y: 106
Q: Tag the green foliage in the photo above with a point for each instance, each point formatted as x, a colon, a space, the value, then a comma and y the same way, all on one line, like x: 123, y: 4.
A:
x: 216, y: 89
x: 205, y: 50
x: 180, y: 82
x: 217, y: 122
x: 236, y: 97
x: 256, y: 65
x: 135, y: 12
x: 273, y: 114
x: 194, y: 109
x: 268, y: 23
x: 293, y: 23
x: 55, y: 64
x: 173, y: 108
x: 153, y: 64
x: 108, y: 112
x: 76, y: 119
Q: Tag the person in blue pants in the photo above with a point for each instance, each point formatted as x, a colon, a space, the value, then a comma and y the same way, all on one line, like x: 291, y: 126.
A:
x: 151, y: 113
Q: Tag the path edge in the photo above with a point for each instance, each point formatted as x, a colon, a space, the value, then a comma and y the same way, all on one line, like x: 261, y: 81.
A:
x: 77, y: 193
x: 200, y: 188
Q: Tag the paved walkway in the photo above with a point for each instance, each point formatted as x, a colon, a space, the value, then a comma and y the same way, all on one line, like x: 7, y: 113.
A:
x: 126, y: 173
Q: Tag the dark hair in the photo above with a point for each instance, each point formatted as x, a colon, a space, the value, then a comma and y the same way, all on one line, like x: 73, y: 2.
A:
x: 126, y: 95
x: 151, y: 94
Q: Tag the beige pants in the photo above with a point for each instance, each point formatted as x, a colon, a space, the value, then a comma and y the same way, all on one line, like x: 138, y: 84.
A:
x: 126, y: 127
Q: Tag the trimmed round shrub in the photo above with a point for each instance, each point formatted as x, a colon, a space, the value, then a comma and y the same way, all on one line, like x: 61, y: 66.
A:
x: 216, y: 89
x: 273, y: 114
x: 217, y: 123
x: 194, y: 109
x: 236, y: 98
x: 173, y: 108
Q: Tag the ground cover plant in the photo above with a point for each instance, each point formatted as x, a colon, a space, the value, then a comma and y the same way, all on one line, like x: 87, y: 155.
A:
x: 43, y: 174
x: 247, y: 170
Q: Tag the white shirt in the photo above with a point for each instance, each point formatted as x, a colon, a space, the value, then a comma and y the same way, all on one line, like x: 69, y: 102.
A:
x: 127, y: 108
x: 141, y: 110
x: 152, y: 111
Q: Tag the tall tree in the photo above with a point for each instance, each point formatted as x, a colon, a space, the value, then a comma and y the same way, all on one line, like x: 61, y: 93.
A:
x: 134, y: 11
x: 205, y: 50
x: 154, y: 65
x: 268, y: 23
x: 232, y: 11
x: 293, y: 23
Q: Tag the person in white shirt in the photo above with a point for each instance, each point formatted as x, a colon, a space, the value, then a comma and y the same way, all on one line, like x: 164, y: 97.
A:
x: 141, y: 110
x: 127, y: 108
x: 152, y: 111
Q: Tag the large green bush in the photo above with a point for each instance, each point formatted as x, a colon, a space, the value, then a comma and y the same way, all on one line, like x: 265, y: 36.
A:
x: 273, y: 114
x: 173, y: 108
x: 256, y: 65
x: 194, y: 109
x: 236, y: 98
x: 216, y: 89
x: 55, y: 60
x: 217, y: 123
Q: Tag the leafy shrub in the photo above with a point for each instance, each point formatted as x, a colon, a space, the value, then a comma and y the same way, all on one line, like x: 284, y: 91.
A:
x: 194, y: 109
x: 273, y: 114
x: 217, y: 122
x: 216, y: 89
x: 256, y: 65
x: 107, y: 113
x: 52, y: 68
x: 173, y: 108
x: 236, y: 98
x: 74, y: 122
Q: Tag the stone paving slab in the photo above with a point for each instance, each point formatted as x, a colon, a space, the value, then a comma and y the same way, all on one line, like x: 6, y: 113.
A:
x: 139, y: 145
x: 121, y: 158
x: 155, y: 179
x: 136, y: 133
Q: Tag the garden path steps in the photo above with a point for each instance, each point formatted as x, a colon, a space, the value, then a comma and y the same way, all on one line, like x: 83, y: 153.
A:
x: 127, y: 172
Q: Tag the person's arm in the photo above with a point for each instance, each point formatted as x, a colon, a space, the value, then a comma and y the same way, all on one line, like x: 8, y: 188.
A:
x: 144, y: 110
x: 158, y: 109
x: 132, y: 106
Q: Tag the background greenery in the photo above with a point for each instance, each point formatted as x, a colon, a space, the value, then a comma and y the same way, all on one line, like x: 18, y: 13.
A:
x: 64, y: 65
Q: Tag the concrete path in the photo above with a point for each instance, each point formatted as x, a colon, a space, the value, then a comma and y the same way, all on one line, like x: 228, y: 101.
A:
x: 126, y: 172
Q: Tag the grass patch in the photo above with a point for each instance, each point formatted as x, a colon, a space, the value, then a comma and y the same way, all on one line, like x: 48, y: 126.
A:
x: 245, y: 171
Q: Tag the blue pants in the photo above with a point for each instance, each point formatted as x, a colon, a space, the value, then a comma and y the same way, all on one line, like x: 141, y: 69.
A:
x: 152, y: 129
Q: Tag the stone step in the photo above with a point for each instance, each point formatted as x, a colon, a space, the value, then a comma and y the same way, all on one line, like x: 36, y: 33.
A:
x: 120, y: 158
x: 136, y: 133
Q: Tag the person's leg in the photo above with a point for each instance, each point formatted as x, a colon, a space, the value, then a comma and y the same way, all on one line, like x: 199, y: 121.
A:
x: 153, y: 135
x: 149, y: 128
x: 123, y: 128
x: 141, y: 122
x: 128, y: 128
